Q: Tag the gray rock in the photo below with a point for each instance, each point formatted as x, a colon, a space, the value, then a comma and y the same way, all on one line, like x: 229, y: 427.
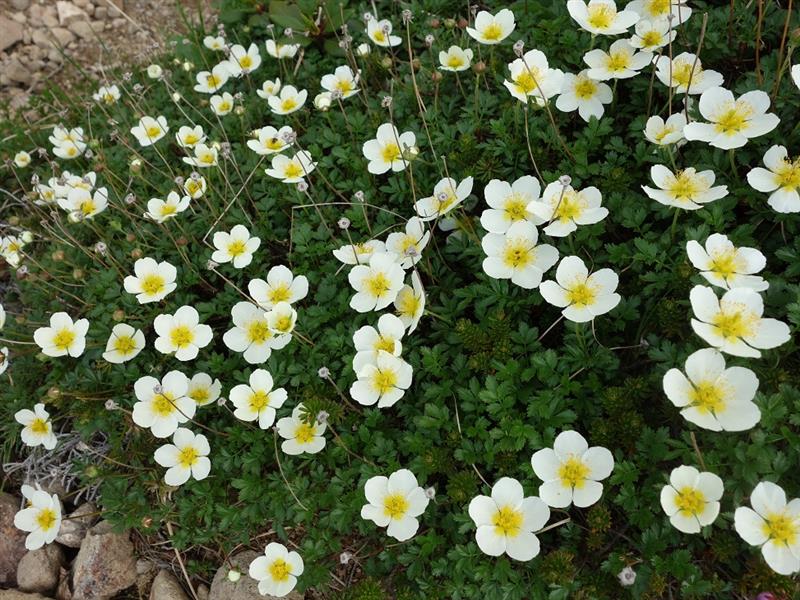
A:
x: 62, y: 36
x: 244, y: 589
x: 74, y: 528
x: 38, y: 570
x: 105, y: 564
x: 11, y: 33
x: 17, y: 595
x: 12, y: 540
x: 62, y: 591
x: 100, y: 12
x: 20, y: 4
x: 83, y: 29
x: 19, y: 17
x: 17, y: 72
x: 202, y: 592
x: 69, y: 13
x: 166, y: 587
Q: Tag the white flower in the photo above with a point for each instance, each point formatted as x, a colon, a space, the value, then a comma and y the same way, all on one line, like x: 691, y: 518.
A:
x: 2, y: 317
x: 162, y: 210
x: 455, y: 59
x: 532, y: 77
x: 408, y: 246
x: 282, y: 319
x: 711, y: 396
x: 203, y: 390
x: 4, y: 359
x: 123, y: 344
x: 515, y: 255
x: 781, y: 179
x: 685, y: 72
x: 343, y: 80
x: 731, y: 122
x: 492, y: 29
x: 204, y: 156
x: 733, y: 324
x: 186, y: 457
x: 651, y: 36
x: 571, y: 471
x: 725, y: 265
x: 22, y: 159
x: 154, y: 71
x: 11, y: 249
x: 222, y: 104
x: 506, y: 520
x: 150, y: 130
x: 277, y: 50
x: 257, y: 401
x: 388, y: 149
x: 151, y: 281
x: 363, y: 50
x: 687, y: 189
x: 301, y: 435
x: 796, y: 75
x: 410, y: 303
x: 242, y: 62
x: 661, y: 9
x: 383, y: 382
x: 42, y: 518
x: 288, y: 100
x: 380, y: 32
x: 582, y: 296
x: 37, y: 429
x: 664, y: 133
x: 162, y: 405
x: 584, y: 94
x: 376, y: 284
x: 369, y: 341
x: 281, y: 286
x: 69, y: 149
x: 209, y: 82
x: 447, y: 195
x: 359, y: 254
x: 251, y: 334
x: 622, y: 61
x: 774, y: 525
x: 195, y: 187
x: 291, y: 170
x: 565, y: 208
x: 323, y: 101
x: 600, y: 17
x: 691, y: 500
x: 509, y: 203
x: 236, y: 247
x: 82, y: 204
x: 270, y: 140
x: 394, y: 502
x: 277, y: 571
x: 215, y: 43
x: 62, y: 337
x: 269, y: 88
x: 181, y: 333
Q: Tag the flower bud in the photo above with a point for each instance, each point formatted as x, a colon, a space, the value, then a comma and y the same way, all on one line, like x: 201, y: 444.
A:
x: 479, y: 67
x: 324, y: 372
x: 234, y: 575
x: 78, y: 274
x: 54, y: 393
x: 436, y: 76
x: 137, y: 253
x: 58, y: 255
x: 386, y: 62
x: 118, y: 315
x: 435, y: 23
x: 363, y: 49
x: 343, y: 223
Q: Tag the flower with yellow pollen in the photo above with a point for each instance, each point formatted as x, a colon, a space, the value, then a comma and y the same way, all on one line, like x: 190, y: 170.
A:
x: 651, y: 36
x: 711, y: 396
x: 388, y: 150
x: 731, y: 122
x: 571, y: 471
x: 448, y: 194
x: 288, y: 100
x: 601, y: 17
x: 151, y: 280
x: 107, y: 94
x: 204, y: 390
x: 291, y: 170
x: 376, y: 284
x: 82, y: 204
x: 383, y: 382
x: 216, y: 43
x: 62, y: 337
x: 515, y: 255
x: 492, y: 29
x: 242, y: 62
x: 395, y: 502
x: 204, y: 156
x: 507, y: 520
x: 369, y: 341
x: 343, y: 80
x: 733, y: 324
x: 185, y: 457
x: 409, y: 244
x: 281, y: 319
x: 380, y: 32
x: 359, y: 253
x: 774, y: 525
x: 37, y: 429
x: 781, y: 179
x: 123, y: 344
x: 532, y: 77
x: 269, y: 88
x: 209, y: 82
x: 455, y: 59
x: 664, y: 133
x: 256, y: 400
x: 410, y: 303
x: 301, y: 435
x: 162, y: 405
x: 236, y: 247
x: 149, y: 130
x: 270, y: 140
x: 162, y: 210
x: 195, y: 186
x: 278, y: 50
x: 276, y: 571
x: 222, y: 104
x: 685, y: 74
x: 622, y: 61
x: 181, y: 333
x: 41, y: 518
x: 508, y: 203
x: 582, y: 93
x: 725, y: 265
x: 565, y: 208
x: 582, y: 296
x: 280, y: 286
x: 687, y: 189
x: 661, y: 10
x: 691, y: 499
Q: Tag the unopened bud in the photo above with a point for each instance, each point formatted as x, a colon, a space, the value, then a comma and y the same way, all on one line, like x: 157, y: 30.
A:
x: 302, y: 187
x: 343, y: 223
x: 118, y: 315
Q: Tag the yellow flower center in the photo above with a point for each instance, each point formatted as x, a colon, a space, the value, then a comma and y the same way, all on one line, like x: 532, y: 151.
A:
x: 200, y: 395
x: 273, y: 143
x: 395, y: 506
x: 454, y: 61
x: 191, y: 139
x: 245, y: 62
x: 682, y: 73
x: 258, y: 332
x: 651, y: 39
x: 163, y: 405
x: 618, y: 61
x: 571, y: 206
x: 585, y: 88
x: 304, y: 434
x: 181, y: 336
x: 259, y: 400
x: 684, y: 187
x: 390, y: 152
x: 188, y: 456
x: 384, y: 381
x: 734, y: 322
x: 237, y: 248
x: 378, y: 35
x: 386, y: 344
x: 293, y: 170
x: 658, y: 8
x: 64, y: 339
x: 493, y: 32
x: 407, y: 304
x: 207, y: 158
x: 788, y: 174
x: 212, y: 81
x: 72, y: 151
x: 507, y: 521
x: 153, y: 131
x: 707, y: 397
x: 124, y: 345
x: 725, y: 263
x: 288, y: 104
x: 344, y: 85
x: 573, y: 472
x: 223, y: 106
x: 690, y: 501
x: 601, y: 16
x: 781, y: 528
x: 168, y: 209
x: 516, y: 207
x: 279, y: 570
x: 734, y: 118
x: 87, y: 207
x: 152, y: 284
x: 280, y: 293
x: 46, y: 519
x: 527, y: 81
x: 667, y: 130
x: 40, y: 426
x: 193, y: 187
x: 517, y: 254
x: 582, y: 295
x: 377, y: 284
x: 284, y: 324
